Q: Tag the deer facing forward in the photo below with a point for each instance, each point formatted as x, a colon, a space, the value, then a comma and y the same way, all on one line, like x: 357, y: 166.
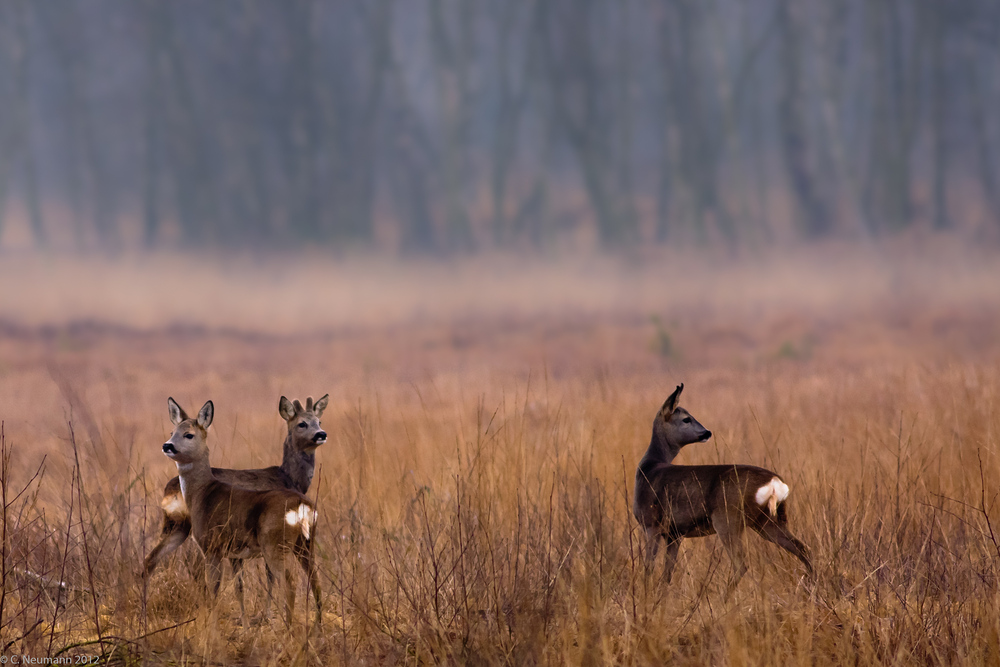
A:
x: 675, y: 501
x: 305, y: 434
x: 237, y: 523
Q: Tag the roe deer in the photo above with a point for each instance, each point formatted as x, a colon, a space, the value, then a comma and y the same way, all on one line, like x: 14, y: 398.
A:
x: 232, y: 522
x: 675, y: 501
x: 305, y: 434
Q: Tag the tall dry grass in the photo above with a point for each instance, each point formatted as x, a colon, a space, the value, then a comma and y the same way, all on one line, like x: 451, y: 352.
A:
x: 474, y: 494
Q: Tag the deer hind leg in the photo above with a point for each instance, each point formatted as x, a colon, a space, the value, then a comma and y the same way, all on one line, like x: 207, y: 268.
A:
x: 270, y: 591
x: 172, y: 536
x: 274, y: 559
x: 775, y: 532
x: 289, y: 595
x: 729, y: 527
x: 303, y: 552
x: 237, y: 565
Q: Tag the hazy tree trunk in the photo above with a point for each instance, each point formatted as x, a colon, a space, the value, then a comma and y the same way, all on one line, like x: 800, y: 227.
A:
x: 452, y: 48
x: 409, y: 170
x: 8, y: 124
x: 191, y: 149
x: 896, y: 110
x: 512, y: 97
x: 304, y: 137
x: 22, y: 124
x: 696, y: 134
x: 358, y: 173
x: 152, y: 121
x: 982, y: 100
x: 580, y: 108
x: 794, y: 135
x: 835, y: 40
x: 933, y: 18
x: 87, y: 168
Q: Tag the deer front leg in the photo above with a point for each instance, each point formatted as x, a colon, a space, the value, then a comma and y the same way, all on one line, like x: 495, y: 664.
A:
x: 652, y: 546
x: 173, y: 535
x: 673, y: 547
x: 213, y: 577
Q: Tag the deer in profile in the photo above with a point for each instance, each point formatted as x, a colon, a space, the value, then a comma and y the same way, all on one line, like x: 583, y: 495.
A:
x: 677, y: 501
x: 232, y: 522
x: 305, y: 434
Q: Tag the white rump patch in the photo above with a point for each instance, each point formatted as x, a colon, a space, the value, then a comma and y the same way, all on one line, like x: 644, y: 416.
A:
x: 174, y: 506
x: 304, y: 517
x: 771, y: 494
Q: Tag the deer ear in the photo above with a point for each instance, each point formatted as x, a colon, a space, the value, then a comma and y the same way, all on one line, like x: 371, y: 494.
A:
x: 671, y: 403
x: 176, y: 412
x: 321, y: 404
x: 286, y: 409
x: 206, y: 415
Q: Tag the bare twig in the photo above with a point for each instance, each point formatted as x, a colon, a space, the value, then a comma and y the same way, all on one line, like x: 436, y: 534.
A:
x: 83, y: 529
x: 4, y: 469
x: 62, y: 564
x: 983, y: 507
x: 631, y: 550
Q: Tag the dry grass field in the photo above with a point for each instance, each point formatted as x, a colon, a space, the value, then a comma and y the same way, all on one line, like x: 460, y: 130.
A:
x: 485, y: 422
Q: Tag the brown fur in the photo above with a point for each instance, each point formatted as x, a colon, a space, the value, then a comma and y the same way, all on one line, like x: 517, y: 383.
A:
x: 295, y: 472
x: 674, y: 501
x: 237, y: 523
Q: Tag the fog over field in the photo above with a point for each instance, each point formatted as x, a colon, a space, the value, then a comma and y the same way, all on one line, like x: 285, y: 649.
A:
x: 499, y: 233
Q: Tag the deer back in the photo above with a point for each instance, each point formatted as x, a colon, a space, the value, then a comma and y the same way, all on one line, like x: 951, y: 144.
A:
x: 682, y: 499
x: 230, y: 521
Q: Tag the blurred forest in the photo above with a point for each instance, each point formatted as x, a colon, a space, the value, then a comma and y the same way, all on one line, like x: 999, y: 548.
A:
x: 463, y: 125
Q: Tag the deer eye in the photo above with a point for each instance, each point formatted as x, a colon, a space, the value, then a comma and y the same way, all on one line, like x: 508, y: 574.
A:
x: 687, y: 420
x: 303, y: 424
x: 189, y: 436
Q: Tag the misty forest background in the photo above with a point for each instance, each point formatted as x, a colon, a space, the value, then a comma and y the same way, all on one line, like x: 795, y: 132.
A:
x: 463, y: 125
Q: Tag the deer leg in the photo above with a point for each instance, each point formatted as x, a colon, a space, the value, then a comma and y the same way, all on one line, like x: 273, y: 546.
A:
x: 213, y: 574
x: 304, y: 555
x: 196, y: 566
x: 778, y: 534
x: 172, y: 536
x: 673, y: 546
x: 237, y: 565
x: 289, y: 595
x: 274, y: 559
x: 213, y: 577
x: 730, y: 531
x: 270, y: 591
x: 652, y: 546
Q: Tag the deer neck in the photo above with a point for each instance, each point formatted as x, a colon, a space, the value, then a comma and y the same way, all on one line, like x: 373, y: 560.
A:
x: 194, y: 477
x: 298, y: 465
x: 660, y: 451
